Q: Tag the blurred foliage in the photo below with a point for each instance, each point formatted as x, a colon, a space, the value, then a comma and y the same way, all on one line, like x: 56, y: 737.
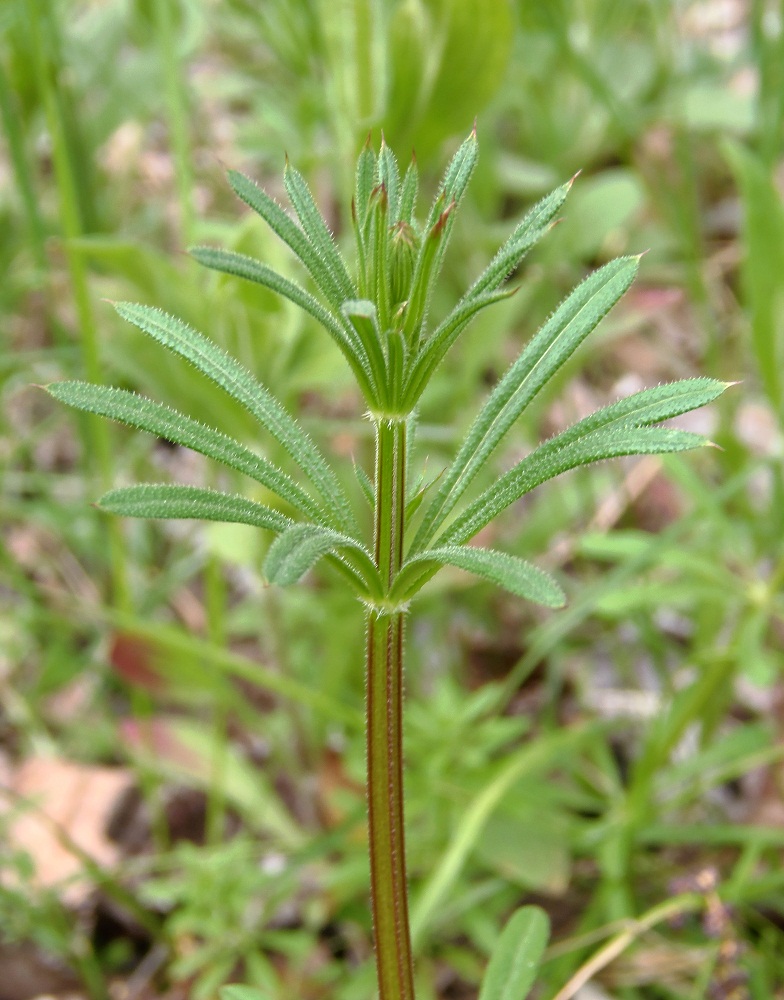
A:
x: 589, y: 758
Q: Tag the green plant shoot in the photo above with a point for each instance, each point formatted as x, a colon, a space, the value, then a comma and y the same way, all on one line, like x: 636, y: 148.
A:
x: 376, y: 309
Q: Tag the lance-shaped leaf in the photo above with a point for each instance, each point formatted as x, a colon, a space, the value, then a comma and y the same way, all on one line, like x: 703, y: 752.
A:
x: 548, y: 462
x: 238, y: 382
x: 162, y: 500
x: 286, y: 228
x: 389, y: 176
x: 535, y: 223
x: 456, y: 177
x: 507, y: 571
x: 147, y: 415
x: 361, y: 314
x: 317, y: 232
x: 365, y: 182
x: 438, y: 228
x: 408, y: 193
x: 299, y: 548
x: 443, y: 337
x: 246, y: 267
x: 623, y: 428
x: 555, y: 342
x: 516, y: 956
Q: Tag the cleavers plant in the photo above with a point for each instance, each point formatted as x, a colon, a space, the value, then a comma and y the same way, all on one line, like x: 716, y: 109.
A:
x: 379, y: 318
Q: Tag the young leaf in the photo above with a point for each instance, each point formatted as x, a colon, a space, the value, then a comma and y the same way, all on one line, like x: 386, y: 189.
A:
x: 456, y: 177
x: 516, y: 956
x: 443, y: 337
x: 242, y: 386
x: 144, y: 414
x: 317, y: 232
x: 513, y: 574
x: 534, y: 224
x: 170, y: 501
x: 365, y: 182
x: 555, y: 342
x: 299, y: 548
x: 389, y: 176
x: 246, y: 267
x: 285, y: 227
x: 408, y: 193
x: 361, y: 314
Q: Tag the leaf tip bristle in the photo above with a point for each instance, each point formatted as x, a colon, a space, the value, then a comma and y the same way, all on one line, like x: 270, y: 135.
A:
x: 473, y: 128
x: 369, y: 140
x: 573, y: 178
x: 639, y: 256
x: 730, y: 385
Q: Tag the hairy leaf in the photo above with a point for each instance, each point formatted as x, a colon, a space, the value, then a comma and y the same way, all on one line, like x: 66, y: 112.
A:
x: 286, y: 228
x: 242, y: 386
x: 162, y: 500
x: 147, y: 415
x: 299, y: 548
x: 534, y: 224
x: 246, y: 267
x: 434, y: 351
x: 551, y: 459
x: 555, y: 342
x: 317, y: 232
x: 507, y: 571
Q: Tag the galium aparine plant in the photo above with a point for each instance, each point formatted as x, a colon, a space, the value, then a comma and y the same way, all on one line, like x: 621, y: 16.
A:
x: 377, y: 312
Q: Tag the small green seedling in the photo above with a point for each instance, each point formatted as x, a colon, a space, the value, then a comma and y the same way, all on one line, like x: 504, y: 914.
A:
x: 378, y: 315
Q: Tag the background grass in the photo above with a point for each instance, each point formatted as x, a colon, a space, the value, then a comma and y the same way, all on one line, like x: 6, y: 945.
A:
x: 601, y: 760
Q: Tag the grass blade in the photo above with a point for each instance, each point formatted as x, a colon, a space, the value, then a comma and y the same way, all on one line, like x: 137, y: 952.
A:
x: 238, y: 382
x: 171, y: 425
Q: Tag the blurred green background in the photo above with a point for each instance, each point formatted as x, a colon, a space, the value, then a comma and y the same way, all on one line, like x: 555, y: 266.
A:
x: 598, y: 760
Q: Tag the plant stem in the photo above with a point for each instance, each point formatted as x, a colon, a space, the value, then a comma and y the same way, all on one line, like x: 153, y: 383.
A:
x: 388, y: 884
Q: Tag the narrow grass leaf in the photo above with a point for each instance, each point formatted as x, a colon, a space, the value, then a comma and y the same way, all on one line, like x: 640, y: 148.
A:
x: 242, y: 993
x: 510, y: 572
x: 238, y: 382
x: 555, y: 342
x: 317, y: 232
x: 299, y: 548
x: 171, y: 425
x: 544, y: 752
x: 162, y: 500
x: 246, y: 267
x: 516, y: 956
